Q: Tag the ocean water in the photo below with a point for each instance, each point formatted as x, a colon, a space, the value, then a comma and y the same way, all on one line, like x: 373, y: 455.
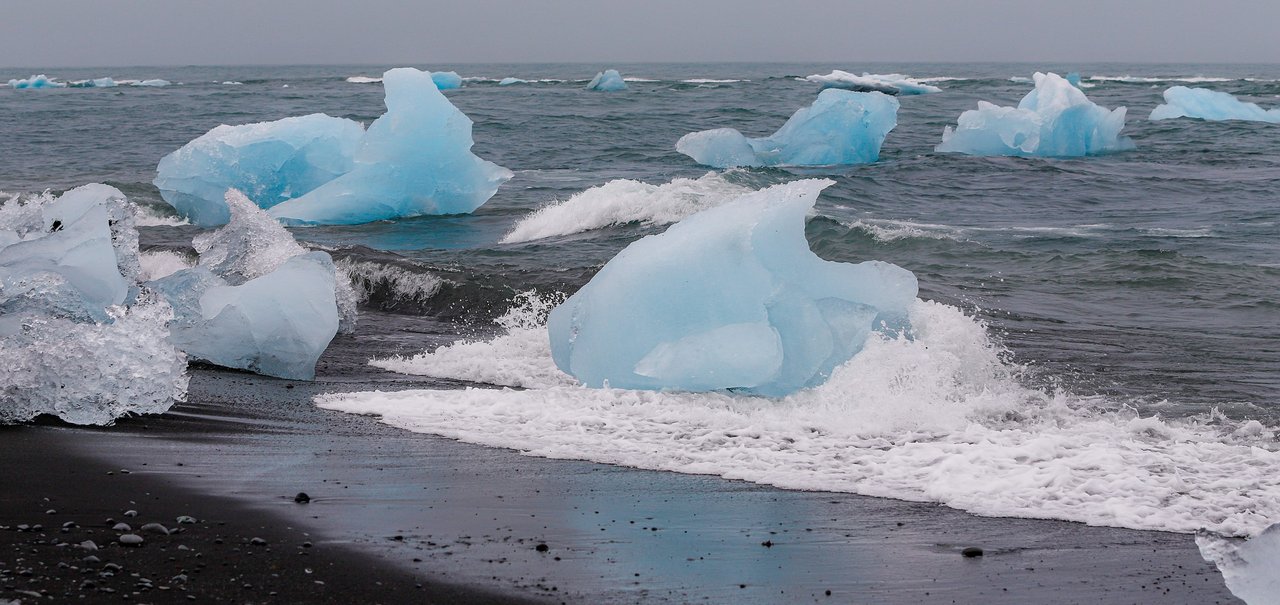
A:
x: 1102, y: 345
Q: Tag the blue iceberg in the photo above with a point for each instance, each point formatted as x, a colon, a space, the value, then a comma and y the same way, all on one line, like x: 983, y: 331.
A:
x: 1054, y: 120
x: 416, y: 159
x: 1205, y: 104
x: 890, y: 84
x: 270, y: 161
x: 446, y: 80
x: 36, y: 81
x: 754, y: 310
x: 841, y: 127
x: 608, y: 80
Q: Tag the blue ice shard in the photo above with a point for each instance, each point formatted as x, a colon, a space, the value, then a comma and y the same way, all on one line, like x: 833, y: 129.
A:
x: 608, y: 80
x: 841, y: 127
x: 36, y: 81
x: 1054, y: 120
x: 270, y: 161
x: 416, y: 159
x: 1205, y: 104
x: 446, y: 80
x: 729, y: 298
x: 890, y: 84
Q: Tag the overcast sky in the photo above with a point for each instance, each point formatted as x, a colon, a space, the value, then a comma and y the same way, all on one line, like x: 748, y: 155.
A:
x: 64, y: 33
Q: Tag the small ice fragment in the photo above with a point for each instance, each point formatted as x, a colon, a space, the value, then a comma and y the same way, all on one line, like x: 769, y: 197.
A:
x: 1205, y: 104
x: 608, y: 80
x: 891, y: 84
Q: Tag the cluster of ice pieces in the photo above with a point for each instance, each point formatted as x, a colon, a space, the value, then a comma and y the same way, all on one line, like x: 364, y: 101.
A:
x: 841, y: 127
x: 758, y: 311
x: 1249, y: 567
x: 1055, y: 119
x: 43, y: 81
x: 1205, y: 104
x: 79, y: 337
x: 608, y: 80
x: 95, y: 83
x: 257, y: 300
x: 891, y: 84
x: 415, y: 159
x: 36, y: 81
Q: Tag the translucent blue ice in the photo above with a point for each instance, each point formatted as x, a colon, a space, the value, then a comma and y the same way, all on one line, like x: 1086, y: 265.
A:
x: 608, y: 80
x: 1183, y: 102
x: 416, y: 159
x: 841, y: 127
x: 1054, y: 120
x: 891, y: 84
x: 36, y: 81
x: 270, y: 161
x: 95, y: 83
x: 729, y: 298
x: 446, y: 80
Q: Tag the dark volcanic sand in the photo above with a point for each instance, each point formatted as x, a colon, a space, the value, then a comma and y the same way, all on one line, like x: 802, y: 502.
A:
x: 400, y: 517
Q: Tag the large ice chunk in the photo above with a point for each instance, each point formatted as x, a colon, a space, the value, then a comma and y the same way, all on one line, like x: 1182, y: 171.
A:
x: 36, y: 81
x: 270, y: 161
x: 890, y: 84
x: 416, y: 159
x: 446, y: 80
x: 1183, y: 102
x: 841, y: 127
x: 608, y: 80
x: 1249, y: 568
x: 729, y: 298
x: 278, y: 324
x: 1054, y: 120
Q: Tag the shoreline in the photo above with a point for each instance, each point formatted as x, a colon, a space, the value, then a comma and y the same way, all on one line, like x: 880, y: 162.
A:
x: 398, y: 509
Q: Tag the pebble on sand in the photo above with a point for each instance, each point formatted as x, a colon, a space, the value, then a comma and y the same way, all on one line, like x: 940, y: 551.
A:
x: 972, y: 551
x: 131, y: 540
x: 302, y: 498
x: 156, y: 528
x: 121, y: 527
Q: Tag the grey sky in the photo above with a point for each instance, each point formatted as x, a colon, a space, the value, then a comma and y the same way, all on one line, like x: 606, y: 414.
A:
x: 62, y: 33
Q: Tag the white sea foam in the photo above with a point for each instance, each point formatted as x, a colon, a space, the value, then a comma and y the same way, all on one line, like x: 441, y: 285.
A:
x: 364, y: 80
x: 162, y: 263
x: 623, y: 201
x: 937, y: 417
x: 630, y: 79
x: 711, y: 81
x: 405, y: 285
x: 1149, y: 79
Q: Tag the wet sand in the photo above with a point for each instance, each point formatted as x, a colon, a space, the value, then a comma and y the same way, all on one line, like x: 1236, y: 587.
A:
x: 398, y: 517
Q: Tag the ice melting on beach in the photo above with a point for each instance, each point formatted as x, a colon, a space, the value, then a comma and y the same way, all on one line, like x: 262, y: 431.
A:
x: 729, y: 298
x: 623, y: 201
x: 1251, y: 568
x: 1205, y: 104
x: 841, y: 127
x: 36, y: 81
x: 892, y: 84
x: 608, y: 80
x: 78, y: 337
x: 257, y: 300
x: 416, y: 159
x: 270, y: 161
x: 1054, y: 120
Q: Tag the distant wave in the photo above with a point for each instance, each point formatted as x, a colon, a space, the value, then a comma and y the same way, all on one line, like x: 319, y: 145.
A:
x: 364, y: 80
x: 1155, y: 79
x: 711, y: 81
x: 628, y: 79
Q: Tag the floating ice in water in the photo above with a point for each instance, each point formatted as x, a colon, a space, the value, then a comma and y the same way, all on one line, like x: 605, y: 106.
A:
x: 1183, y: 102
x: 270, y: 161
x: 935, y: 415
x: 608, y: 80
x: 416, y: 159
x: 892, y: 84
x: 154, y: 82
x: 278, y: 324
x: 257, y: 300
x: 509, y: 81
x: 37, y: 81
x: 68, y: 345
x: 1073, y: 79
x: 623, y: 201
x: 95, y: 83
x: 446, y: 80
x: 729, y: 298
x: 1054, y: 120
x: 841, y: 127
x: 1251, y: 569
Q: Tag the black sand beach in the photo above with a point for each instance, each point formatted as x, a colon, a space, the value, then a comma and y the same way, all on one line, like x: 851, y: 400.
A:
x: 398, y: 517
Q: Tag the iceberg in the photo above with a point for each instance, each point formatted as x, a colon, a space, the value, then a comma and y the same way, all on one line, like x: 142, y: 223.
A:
x: 1054, y: 120
x: 416, y: 159
x: 890, y: 84
x: 36, y: 81
x: 270, y: 161
x: 841, y: 127
x: 729, y: 298
x: 1205, y: 104
x: 257, y: 300
x: 95, y: 83
x: 608, y: 80
x: 446, y: 80
x: 509, y: 81
x: 1249, y: 567
x: 154, y: 82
